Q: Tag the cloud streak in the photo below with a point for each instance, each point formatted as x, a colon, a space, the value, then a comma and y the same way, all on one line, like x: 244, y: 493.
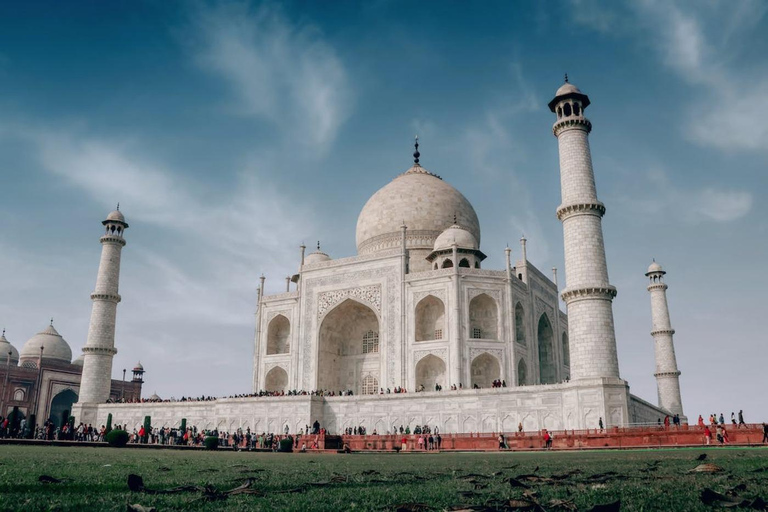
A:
x: 285, y: 74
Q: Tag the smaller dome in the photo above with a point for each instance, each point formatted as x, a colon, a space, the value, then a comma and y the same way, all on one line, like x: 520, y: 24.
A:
x: 155, y: 397
x: 116, y: 215
x: 456, y: 235
x: 139, y: 367
x: 5, y: 347
x: 316, y: 257
x: 655, y: 267
x: 79, y: 361
x: 55, y: 348
x: 567, y: 88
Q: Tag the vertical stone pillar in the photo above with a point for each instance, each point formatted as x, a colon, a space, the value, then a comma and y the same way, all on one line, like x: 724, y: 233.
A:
x: 667, y: 375
x: 456, y: 347
x: 258, y: 338
x: 99, y: 348
x: 588, y: 294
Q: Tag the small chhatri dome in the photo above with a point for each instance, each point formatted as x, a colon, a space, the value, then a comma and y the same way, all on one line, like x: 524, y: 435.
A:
x: 5, y: 347
x: 316, y: 257
x: 456, y: 234
x: 155, y: 397
x: 116, y: 217
x: 568, y: 90
x: 55, y: 348
x: 139, y: 367
x: 79, y: 361
x: 655, y: 268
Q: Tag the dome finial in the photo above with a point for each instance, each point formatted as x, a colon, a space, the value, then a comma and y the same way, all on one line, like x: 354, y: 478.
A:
x: 416, y: 153
x: 318, y: 245
x: 454, y: 217
x: 566, y: 78
x: 51, y: 321
x: 118, y: 206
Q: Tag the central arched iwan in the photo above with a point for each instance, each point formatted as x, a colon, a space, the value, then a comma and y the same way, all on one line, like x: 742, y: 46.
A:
x: 348, y: 346
x: 279, y: 336
x: 547, y: 370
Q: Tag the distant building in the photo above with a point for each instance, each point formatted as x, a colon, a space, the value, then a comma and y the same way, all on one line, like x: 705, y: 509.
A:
x: 47, y: 382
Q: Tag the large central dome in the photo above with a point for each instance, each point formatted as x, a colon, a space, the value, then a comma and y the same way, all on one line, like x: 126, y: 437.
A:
x: 424, y: 202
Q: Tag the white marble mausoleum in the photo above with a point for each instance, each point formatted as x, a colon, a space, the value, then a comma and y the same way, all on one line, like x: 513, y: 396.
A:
x: 415, y: 308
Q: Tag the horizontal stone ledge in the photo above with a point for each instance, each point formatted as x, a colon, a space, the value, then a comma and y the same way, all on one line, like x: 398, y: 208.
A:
x: 106, y: 296
x: 572, y: 124
x: 662, y: 331
x: 112, y: 239
x: 589, y: 292
x: 591, y: 208
x: 107, y: 351
x: 667, y: 374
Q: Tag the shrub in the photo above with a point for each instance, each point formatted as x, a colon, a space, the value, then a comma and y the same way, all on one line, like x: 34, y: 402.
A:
x: 286, y: 445
x: 211, y: 442
x: 117, y: 438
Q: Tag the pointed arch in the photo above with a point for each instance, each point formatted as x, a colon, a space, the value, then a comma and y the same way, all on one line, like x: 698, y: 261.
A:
x: 430, y: 319
x: 279, y: 335
x: 276, y: 379
x: 566, y: 350
x: 522, y: 373
x: 483, y: 317
x: 61, y: 407
x: 348, y: 342
x: 430, y: 370
x: 484, y: 370
x: 447, y: 263
x: 546, y: 338
x: 520, y: 324
x: 370, y: 385
x: 464, y: 263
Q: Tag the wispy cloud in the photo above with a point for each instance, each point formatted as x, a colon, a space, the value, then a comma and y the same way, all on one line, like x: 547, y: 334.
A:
x: 285, y: 73
x: 662, y: 198
x: 698, y: 41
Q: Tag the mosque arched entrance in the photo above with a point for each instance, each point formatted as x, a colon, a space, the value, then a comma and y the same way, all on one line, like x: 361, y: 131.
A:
x: 348, y: 347
x: 485, y: 369
x: 547, y: 370
x: 430, y: 319
x: 430, y: 370
x: 61, y: 407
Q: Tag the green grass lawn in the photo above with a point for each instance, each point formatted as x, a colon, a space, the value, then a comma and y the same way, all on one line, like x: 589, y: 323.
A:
x: 96, y: 479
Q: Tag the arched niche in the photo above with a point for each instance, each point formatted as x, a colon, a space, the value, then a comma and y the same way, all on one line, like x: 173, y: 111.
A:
x: 276, y: 379
x: 61, y: 407
x: 483, y: 318
x: 484, y: 370
x: 430, y: 370
x: 520, y: 324
x: 547, y: 370
x: 566, y: 350
x: 522, y: 373
x: 430, y: 319
x: 447, y: 263
x: 370, y: 385
x: 348, y: 341
x: 279, y: 336
x: 464, y: 263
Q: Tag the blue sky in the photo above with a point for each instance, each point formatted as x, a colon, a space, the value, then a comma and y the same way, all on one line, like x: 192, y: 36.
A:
x: 231, y: 132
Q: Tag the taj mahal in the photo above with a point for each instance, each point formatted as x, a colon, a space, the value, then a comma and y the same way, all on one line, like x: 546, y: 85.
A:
x: 413, y: 329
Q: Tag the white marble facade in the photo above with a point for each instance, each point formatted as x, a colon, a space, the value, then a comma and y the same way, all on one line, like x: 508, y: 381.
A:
x: 415, y: 308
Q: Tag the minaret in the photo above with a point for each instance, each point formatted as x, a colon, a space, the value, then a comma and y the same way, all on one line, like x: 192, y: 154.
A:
x: 99, y: 348
x: 667, y: 375
x: 588, y: 294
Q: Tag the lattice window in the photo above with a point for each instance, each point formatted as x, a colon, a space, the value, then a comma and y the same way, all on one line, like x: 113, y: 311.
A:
x: 477, y: 333
x: 438, y: 334
x: 370, y: 342
x: 29, y: 364
x: 370, y: 385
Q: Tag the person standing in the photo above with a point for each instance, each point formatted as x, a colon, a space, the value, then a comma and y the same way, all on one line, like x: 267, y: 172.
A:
x: 733, y: 418
x: 701, y: 421
x: 741, y: 418
x: 722, y: 419
x: 765, y: 433
x: 707, y: 434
